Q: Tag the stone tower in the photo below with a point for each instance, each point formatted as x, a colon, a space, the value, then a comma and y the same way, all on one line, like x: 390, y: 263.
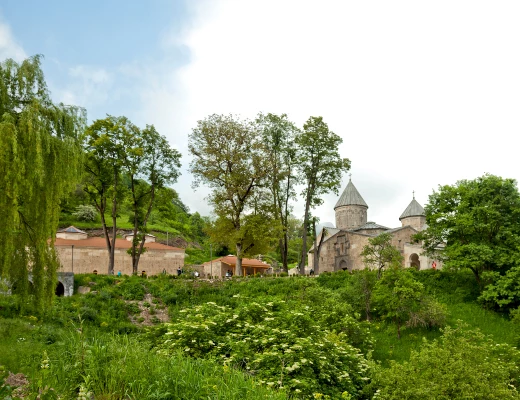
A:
x: 413, y: 216
x: 351, y: 209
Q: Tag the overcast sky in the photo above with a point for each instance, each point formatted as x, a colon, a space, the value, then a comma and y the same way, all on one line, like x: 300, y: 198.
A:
x: 422, y: 93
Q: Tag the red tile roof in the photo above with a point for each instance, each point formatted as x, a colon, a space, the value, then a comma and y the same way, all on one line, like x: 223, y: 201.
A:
x: 120, y: 244
x: 246, y: 262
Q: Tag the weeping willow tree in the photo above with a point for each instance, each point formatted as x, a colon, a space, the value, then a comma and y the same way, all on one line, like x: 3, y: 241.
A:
x: 39, y: 162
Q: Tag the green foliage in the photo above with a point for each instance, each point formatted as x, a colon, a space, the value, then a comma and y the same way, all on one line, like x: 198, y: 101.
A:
x: 39, y: 163
x: 229, y: 157
x: 504, y: 291
x: 477, y: 220
x: 278, y: 134
x: 380, y: 253
x: 320, y: 166
x: 114, y: 366
x: 106, y: 142
x: 275, y: 342
x: 401, y: 299
x: 85, y: 213
x: 462, y: 364
x: 360, y: 290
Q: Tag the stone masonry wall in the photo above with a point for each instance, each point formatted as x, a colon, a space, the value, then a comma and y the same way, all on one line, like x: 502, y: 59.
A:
x: 415, y: 222
x: 350, y: 217
x: 88, y: 259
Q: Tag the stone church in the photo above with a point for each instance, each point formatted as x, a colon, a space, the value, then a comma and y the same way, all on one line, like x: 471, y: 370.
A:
x: 342, y: 246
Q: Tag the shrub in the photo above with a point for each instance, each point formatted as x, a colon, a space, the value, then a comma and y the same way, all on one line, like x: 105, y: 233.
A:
x: 462, y: 364
x: 277, y: 343
x: 85, y: 213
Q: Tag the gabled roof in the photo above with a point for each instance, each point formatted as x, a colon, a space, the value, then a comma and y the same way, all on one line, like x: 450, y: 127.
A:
x: 350, y: 196
x: 414, y: 209
x: 246, y: 262
x: 99, y: 242
x: 72, y: 229
x: 371, y: 225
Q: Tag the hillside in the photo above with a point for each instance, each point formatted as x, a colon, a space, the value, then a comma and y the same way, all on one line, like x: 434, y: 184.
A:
x: 247, y: 326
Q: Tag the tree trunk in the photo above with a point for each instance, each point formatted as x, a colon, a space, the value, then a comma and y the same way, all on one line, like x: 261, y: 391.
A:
x: 238, y: 268
x: 316, y: 255
x: 367, y: 308
x: 148, y: 212
x: 304, y: 242
x: 102, y: 208
x: 112, y: 249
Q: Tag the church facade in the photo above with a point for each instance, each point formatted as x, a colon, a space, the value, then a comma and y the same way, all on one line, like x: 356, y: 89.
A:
x: 342, y: 246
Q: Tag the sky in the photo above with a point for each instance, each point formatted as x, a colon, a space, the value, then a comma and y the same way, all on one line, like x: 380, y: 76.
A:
x: 422, y: 93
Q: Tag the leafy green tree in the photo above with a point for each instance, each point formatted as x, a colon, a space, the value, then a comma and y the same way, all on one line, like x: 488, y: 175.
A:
x: 256, y: 233
x: 230, y: 158
x: 397, y: 295
x: 477, y: 222
x: 105, y: 144
x: 39, y: 163
x: 401, y: 299
x: 461, y: 364
x: 147, y: 155
x: 278, y: 134
x: 320, y: 166
x: 360, y: 290
x: 379, y: 253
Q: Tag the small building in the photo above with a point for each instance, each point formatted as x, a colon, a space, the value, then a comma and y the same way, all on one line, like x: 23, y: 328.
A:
x: 83, y: 255
x: 223, y: 265
x: 71, y: 233
x: 147, y: 237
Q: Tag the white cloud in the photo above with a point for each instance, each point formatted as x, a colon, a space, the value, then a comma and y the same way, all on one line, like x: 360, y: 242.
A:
x: 9, y: 47
x: 86, y: 86
x: 422, y: 93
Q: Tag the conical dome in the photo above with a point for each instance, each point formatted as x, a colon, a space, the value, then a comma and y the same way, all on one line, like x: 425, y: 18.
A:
x: 350, y: 196
x: 414, y: 209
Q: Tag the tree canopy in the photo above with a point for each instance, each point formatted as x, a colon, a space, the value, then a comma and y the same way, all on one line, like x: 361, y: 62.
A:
x: 39, y: 162
x: 379, y: 253
x: 475, y: 222
x: 320, y: 166
x: 278, y: 134
x: 124, y: 161
x: 229, y: 157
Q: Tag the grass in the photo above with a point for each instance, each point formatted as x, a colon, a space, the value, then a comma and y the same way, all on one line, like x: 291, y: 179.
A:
x: 114, y: 366
x: 112, y: 357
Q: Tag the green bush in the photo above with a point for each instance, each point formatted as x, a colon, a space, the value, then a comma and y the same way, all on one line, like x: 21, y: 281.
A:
x: 462, y: 364
x: 286, y: 347
x: 86, y: 213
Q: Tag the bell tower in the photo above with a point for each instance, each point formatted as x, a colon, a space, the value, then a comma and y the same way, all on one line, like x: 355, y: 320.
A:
x: 413, y: 215
x: 351, y: 209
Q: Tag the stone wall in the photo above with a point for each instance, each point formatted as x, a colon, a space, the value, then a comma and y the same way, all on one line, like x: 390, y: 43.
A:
x: 343, y: 250
x: 88, y: 259
x: 415, y: 222
x: 350, y: 217
x: 425, y: 262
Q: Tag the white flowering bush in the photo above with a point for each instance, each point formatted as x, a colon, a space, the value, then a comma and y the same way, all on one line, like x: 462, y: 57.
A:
x: 283, y: 346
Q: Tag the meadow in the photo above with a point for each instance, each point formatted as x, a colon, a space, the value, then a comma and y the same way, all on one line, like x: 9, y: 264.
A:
x: 249, y: 338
